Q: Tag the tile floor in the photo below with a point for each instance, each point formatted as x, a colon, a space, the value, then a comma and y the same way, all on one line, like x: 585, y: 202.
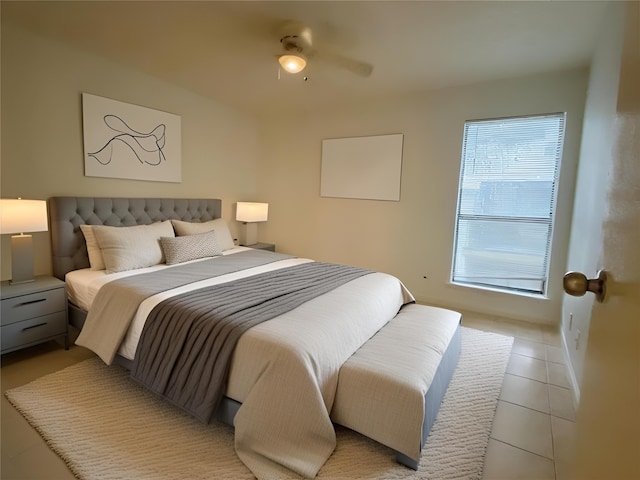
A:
x: 534, y: 424
x: 532, y: 430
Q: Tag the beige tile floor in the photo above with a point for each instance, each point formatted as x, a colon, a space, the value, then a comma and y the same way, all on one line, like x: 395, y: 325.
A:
x: 531, y: 434
x: 534, y: 424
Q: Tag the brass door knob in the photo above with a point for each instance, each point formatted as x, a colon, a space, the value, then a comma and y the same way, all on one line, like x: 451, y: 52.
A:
x: 577, y: 284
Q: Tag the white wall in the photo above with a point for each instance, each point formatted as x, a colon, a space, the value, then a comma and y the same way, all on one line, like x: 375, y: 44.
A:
x: 42, y: 149
x: 411, y: 238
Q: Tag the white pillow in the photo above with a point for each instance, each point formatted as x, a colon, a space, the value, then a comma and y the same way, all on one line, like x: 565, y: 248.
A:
x: 190, y: 247
x: 93, y: 249
x: 128, y: 248
x: 218, y: 225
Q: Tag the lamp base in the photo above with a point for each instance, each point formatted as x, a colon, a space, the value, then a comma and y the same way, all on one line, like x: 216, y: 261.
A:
x: 249, y: 234
x: 21, y: 259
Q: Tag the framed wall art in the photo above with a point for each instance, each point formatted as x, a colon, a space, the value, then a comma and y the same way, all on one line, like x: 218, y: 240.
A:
x: 362, y: 167
x: 122, y: 140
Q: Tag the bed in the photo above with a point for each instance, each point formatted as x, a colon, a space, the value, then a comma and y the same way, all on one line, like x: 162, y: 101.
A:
x: 282, y: 377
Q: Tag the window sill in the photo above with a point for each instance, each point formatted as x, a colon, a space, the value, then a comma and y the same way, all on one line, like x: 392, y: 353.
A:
x: 538, y: 296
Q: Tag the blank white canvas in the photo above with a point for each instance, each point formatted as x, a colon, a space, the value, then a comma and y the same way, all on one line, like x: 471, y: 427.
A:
x: 362, y: 167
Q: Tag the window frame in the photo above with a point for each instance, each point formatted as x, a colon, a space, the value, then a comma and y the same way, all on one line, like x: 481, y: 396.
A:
x: 456, y: 277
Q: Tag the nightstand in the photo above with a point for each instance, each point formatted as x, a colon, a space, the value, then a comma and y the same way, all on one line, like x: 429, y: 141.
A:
x: 263, y: 246
x: 32, y: 313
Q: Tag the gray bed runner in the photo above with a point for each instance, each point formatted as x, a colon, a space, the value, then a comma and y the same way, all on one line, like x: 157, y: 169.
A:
x: 119, y: 300
x: 186, y: 345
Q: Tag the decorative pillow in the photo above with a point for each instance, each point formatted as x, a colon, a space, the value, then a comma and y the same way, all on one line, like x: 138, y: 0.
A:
x: 218, y: 225
x: 190, y: 247
x: 93, y: 249
x: 128, y: 248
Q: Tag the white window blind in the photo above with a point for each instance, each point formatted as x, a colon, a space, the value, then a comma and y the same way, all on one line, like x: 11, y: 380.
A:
x: 506, y: 202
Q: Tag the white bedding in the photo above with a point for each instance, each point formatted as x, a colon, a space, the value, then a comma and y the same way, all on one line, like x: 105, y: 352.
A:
x: 284, y: 371
x: 83, y: 286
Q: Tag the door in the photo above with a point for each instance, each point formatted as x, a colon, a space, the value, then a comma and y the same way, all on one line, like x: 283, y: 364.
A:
x: 608, y: 417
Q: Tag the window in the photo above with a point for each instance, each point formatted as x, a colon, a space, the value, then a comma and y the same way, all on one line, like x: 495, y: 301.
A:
x: 506, y: 202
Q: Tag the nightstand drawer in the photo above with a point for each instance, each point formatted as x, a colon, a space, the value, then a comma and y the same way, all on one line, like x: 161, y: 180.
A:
x: 33, y: 330
x: 33, y: 305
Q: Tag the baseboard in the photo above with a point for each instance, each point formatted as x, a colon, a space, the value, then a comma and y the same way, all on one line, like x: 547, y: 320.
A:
x: 575, y: 387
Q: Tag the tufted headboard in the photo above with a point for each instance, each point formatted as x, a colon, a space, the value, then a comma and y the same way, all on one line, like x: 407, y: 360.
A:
x: 66, y: 214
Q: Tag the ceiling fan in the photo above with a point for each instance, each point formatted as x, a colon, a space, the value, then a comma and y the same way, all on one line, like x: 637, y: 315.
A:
x: 297, y: 49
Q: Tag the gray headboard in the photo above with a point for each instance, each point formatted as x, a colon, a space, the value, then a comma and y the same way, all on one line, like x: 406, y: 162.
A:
x: 66, y: 214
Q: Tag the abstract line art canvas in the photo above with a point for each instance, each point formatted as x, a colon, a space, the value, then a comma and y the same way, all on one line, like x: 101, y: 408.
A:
x: 127, y: 141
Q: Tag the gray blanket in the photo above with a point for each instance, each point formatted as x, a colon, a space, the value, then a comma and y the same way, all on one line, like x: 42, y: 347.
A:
x: 185, y: 348
x: 117, y: 302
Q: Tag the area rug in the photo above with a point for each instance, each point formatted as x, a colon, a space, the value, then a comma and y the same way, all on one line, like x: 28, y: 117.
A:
x: 104, y: 426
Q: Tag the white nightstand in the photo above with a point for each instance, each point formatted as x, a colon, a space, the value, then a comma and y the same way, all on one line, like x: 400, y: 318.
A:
x: 33, y: 313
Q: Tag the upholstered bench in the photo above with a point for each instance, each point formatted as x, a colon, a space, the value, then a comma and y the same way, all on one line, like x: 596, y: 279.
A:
x: 391, y: 389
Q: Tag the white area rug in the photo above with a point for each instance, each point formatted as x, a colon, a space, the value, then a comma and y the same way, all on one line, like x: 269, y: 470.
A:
x: 105, y: 426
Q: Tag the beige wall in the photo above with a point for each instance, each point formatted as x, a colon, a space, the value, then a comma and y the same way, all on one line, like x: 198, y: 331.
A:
x: 411, y: 238
x: 42, y: 150
x: 229, y: 155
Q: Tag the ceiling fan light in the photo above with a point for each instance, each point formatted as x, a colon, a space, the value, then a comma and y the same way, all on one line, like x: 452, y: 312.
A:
x: 292, y: 63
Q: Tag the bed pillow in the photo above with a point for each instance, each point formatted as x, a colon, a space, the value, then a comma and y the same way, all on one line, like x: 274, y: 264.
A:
x: 93, y: 249
x: 218, y: 225
x: 190, y: 247
x: 128, y: 248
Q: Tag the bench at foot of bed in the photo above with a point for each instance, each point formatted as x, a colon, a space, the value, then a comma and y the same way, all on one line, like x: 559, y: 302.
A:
x: 391, y: 389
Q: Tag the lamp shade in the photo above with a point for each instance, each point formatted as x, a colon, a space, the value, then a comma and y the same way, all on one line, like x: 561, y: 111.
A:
x: 21, y: 216
x: 252, y: 212
x: 292, y: 63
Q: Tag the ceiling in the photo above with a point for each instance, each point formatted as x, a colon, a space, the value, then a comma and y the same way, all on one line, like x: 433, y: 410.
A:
x: 226, y: 50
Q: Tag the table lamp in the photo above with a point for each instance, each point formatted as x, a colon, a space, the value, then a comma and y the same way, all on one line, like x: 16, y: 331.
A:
x: 22, y: 216
x: 250, y: 213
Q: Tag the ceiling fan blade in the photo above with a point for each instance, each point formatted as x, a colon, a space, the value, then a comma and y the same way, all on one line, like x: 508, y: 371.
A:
x: 358, y: 67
